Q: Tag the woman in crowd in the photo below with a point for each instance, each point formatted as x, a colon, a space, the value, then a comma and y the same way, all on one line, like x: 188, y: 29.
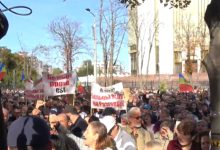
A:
x: 147, y: 123
x: 63, y: 142
x: 205, y: 140
x: 185, y: 132
x: 165, y: 134
x: 95, y: 138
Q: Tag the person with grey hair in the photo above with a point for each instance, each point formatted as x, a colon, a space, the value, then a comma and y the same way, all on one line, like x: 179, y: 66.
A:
x: 135, y: 129
x: 165, y: 134
x: 123, y: 140
x: 124, y: 120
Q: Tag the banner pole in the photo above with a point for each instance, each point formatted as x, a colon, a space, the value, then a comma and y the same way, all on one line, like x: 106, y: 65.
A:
x: 73, y: 99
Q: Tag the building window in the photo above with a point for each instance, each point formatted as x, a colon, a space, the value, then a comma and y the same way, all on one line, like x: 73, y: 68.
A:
x: 178, y: 68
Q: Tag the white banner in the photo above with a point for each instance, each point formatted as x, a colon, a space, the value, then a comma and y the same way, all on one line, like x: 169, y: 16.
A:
x: 34, y: 91
x: 59, y: 85
x: 112, y: 96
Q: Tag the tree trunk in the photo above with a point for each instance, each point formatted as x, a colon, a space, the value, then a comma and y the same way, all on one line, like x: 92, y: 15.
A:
x: 212, y: 64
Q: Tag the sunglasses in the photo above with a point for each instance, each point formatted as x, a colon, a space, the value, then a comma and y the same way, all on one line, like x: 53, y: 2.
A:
x: 137, y: 118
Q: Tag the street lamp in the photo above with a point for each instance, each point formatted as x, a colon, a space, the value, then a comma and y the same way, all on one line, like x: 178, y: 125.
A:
x: 95, y: 45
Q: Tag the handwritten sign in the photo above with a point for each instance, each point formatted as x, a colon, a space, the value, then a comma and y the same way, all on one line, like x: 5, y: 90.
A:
x: 59, y: 85
x: 112, y: 96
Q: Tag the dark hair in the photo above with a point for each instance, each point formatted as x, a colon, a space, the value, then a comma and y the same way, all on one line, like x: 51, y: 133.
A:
x: 93, y: 118
x: 187, y: 127
x: 204, y: 133
x: 109, y: 111
x: 63, y: 142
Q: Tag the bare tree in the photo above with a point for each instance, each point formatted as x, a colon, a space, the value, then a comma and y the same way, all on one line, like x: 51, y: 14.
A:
x: 144, y: 36
x: 71, y: 43
x: 112, y: 29
x: 190, y: 36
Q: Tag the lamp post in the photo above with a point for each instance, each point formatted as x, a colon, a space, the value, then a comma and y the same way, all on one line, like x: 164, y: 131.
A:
x: 95, y: 45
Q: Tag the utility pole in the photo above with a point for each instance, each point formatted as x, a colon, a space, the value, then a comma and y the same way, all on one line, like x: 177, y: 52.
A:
x: 87, y: 72
x: 95, y: 43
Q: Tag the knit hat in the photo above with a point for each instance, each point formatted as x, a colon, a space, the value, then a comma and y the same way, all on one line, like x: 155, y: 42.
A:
x: 28, y: 131
x: 54, y: 111
x: 146, y: 106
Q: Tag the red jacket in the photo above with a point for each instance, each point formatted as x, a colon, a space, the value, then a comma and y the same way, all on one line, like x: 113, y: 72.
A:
x: 175, y: 145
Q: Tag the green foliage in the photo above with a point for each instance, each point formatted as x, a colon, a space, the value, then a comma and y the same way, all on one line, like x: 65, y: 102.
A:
x: 85, y: 69
x: 172, y: 3
x: 163, y: 86
x: 57, y: 71
x: 15, y: 64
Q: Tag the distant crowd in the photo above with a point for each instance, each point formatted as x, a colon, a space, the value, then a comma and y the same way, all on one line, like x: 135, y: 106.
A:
x: 154, y: 120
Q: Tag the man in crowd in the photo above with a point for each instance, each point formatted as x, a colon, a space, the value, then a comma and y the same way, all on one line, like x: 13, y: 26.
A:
x: 134, y: 128
x: 78, y: 124
x: 123, y: 140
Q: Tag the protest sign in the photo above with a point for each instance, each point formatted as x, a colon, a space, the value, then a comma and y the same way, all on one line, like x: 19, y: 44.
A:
x: 127, y: 94
x: 59, y: 85
x: 112, y: 96
x: 34, y: 91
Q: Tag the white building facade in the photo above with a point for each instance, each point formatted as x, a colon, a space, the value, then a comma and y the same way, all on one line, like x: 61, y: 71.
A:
x: 153, y: 37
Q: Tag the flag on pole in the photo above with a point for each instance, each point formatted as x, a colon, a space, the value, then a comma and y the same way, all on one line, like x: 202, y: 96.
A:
x: 22, y: 76
x: 184, y: 85
x: 2, y: 70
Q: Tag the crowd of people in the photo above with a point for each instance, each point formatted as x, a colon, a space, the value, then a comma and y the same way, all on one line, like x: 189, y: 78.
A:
x: 153, y: 121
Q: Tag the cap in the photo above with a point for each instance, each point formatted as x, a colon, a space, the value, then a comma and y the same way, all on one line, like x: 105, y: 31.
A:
x: 54, y: 111
x: 146, y: 106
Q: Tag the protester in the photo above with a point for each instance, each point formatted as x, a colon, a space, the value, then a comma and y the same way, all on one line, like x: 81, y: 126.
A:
x: 123, y: 120
x: 147, y: 123
x: 205, y: 140
x: 165, y: 134
x: 63, y: 120
x: 5, y: 115
x: 78, y: 124
x: 134, y: 128
x: 52, y: 123
x: 186, y: 132
x: 63, y: 142
x: 95, y: 138
x: 138, y: 121
x: 201, y: 126
x: 164, y: 114
x: 123, y: 140
x: 29, y: 132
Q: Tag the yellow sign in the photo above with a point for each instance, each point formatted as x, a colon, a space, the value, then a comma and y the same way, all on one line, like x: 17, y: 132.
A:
x: 127, y: 94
